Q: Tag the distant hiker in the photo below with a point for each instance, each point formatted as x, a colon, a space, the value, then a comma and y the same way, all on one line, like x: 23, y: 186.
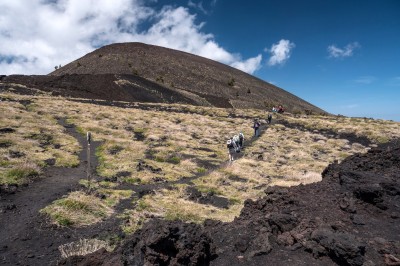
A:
x: 256, y: 127
x: 280, y: 109
x: 241, y: 140
x: 236, y: 140
x: 230, y: 144
x: 269, y: 118
x: 274, y: 109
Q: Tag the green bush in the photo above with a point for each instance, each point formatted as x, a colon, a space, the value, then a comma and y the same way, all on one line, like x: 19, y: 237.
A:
x: 174, y: 160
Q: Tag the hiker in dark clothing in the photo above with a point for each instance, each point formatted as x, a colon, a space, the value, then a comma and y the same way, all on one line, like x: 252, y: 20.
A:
x: 269, y: 118
x: 241, y: 140
x: 256, y: 127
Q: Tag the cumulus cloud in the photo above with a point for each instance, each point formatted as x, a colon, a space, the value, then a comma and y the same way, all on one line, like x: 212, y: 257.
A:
x: 347, y: 51
x: 199, y: 6
x: 280, y: 52
x: 250, y: 65
x: 37, y: 35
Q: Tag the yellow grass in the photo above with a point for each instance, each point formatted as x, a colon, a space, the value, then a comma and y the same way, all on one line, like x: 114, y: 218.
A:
x: 174, y: 145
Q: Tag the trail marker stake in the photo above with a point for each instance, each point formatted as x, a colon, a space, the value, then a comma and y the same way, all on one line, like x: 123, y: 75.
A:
x: 88, y: 170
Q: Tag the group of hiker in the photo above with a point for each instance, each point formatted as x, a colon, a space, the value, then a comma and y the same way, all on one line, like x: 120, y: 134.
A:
x: 235, y: 143
x: 278, y: 109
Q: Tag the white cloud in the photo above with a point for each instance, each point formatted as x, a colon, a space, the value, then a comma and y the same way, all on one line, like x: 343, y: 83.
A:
x: 365, y: 80
x: 199, y: 6
x: 346, y: 51
x: 280, y: 52
x: 59, y: 31
x: 250, y: 65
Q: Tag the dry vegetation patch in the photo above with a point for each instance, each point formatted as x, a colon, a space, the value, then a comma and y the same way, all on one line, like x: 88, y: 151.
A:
x: 168, y: 143
x: 78, y: 209
x: 36, y: 141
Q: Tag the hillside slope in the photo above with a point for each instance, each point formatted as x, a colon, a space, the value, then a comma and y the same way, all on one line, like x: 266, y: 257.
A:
x: 202, y: 80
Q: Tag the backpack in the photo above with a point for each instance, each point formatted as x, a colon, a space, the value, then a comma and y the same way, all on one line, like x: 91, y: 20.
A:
x: 236, y: 139
x: 229, y: 144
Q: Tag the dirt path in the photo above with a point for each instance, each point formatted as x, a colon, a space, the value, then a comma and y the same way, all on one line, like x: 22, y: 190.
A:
x: 25, y: 236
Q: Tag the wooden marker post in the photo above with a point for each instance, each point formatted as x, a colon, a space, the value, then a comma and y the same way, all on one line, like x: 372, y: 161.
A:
x: 88, y: 170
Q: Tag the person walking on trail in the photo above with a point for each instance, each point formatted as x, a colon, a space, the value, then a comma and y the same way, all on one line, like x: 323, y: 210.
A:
x: 231, y: 145
x: 241, y: 140
x: 256, y: 127
x: 269, y: 118
x: 236, y: 140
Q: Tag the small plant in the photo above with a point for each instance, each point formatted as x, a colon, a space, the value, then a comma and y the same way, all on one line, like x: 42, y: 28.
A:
x: 231, y: 82
x: 201, y: 170
x: 174, y: 160
x: 20, y: 173
x: 78, y: 64
x: 160, y: 79
x: 248, y: 90
x: 135, y: 72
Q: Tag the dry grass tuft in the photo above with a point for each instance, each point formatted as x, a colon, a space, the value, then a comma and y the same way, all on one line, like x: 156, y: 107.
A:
x: 83, y: 247
x: 77, y: 209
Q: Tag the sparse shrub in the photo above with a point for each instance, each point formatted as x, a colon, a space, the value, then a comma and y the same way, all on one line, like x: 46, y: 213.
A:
x: 201, y: 170
x: 231, y: 82
x: 296, y: 111
x: 78, y: 64
x: 234, y: 201
x: 133, y: 180
x: 142, y: 205
x: 20, y: 173
x: 100, y: 55
x: 114, y: 149
x: 56, y: 67
x: 382, y: 139
x: 160, y: 79
x: 209, y: 190
x: 135, y: 72
x: 177, y: 214
x: 248, y: 90
x: 159, y: 159
x: 174, y: 160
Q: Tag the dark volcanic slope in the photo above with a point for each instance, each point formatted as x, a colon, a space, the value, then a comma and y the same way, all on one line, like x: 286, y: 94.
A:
x: 202, y: 80
x: 104, y: 86
x: 351, y: 217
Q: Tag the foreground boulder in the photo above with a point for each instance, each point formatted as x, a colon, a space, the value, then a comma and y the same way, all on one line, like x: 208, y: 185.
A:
x: 169, y: 243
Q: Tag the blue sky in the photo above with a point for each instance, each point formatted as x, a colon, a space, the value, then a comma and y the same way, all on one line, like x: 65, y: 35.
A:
x: 342, y: 56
